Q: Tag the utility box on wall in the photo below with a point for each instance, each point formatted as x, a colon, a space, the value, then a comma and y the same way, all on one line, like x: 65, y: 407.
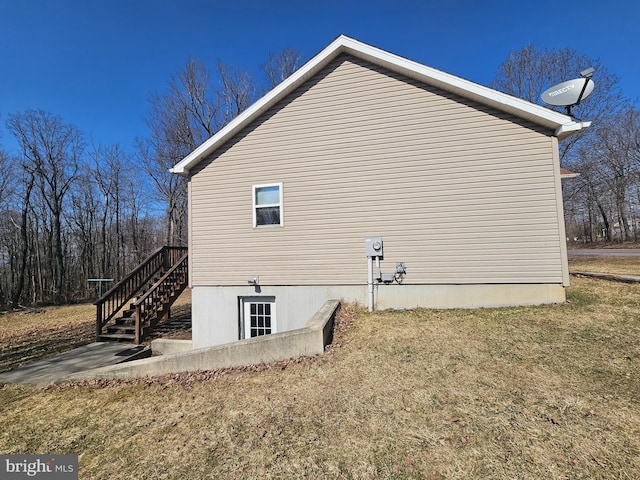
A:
x: 374, y: 247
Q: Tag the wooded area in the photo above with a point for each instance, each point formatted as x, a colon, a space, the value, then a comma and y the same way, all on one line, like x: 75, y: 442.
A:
x: 72, y: 211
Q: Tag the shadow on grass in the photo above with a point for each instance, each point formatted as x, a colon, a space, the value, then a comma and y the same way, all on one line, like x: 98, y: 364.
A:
x: 37, y: 345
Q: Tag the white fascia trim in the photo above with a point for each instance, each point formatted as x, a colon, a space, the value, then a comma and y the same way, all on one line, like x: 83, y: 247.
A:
x: 567, y: 176
x: 562, y: 125
x: 565, y: 130
x: 260, y: 106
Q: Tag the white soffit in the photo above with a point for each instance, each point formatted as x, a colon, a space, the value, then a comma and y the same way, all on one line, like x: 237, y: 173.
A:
x: 562, y: 125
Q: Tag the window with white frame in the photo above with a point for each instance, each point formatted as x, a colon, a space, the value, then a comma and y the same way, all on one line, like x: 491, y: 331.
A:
x: 259, y: 316
x: 267, y: 205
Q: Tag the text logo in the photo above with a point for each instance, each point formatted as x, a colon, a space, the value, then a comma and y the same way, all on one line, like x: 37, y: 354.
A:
x: 50, y: 467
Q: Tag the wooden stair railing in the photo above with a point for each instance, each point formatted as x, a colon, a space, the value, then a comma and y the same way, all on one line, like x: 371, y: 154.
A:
x: 112, y: 302
x: 155, y: 304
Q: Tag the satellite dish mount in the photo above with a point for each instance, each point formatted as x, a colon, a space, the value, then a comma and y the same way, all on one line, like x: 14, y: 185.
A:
x: 570, y: 93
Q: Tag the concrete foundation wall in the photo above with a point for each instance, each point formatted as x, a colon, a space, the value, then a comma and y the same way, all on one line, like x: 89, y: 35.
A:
x: 216, y: 310
x: 467, y: 296
x: 216, y: 316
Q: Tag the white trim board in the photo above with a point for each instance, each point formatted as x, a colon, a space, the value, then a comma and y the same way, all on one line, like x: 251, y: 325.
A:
x: 562, y: 125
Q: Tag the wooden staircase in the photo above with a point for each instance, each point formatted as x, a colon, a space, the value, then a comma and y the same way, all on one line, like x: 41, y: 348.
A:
x: 150, y: 290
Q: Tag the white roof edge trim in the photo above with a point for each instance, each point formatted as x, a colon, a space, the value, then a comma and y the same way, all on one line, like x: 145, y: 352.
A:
x: 261, y: 105
x: 567, y: 129
x: 567, y: 176
x: 563, y: 125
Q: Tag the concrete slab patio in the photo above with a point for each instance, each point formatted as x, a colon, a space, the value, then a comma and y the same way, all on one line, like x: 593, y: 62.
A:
x: 87, y: 357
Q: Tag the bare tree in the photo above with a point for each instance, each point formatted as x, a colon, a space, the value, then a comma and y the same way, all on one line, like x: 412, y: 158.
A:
x: 597, y: 200
x: 615, y: 147
x: 280, y: 66
x: 5, y: 213
x: 179, y: 120
x: 67, y: 214
x: 191, y: 110
x: 110, y: 174
x: 192, y: 89
x: 52, y: 153
x: 157, y: 157
x: 105, y: 241
x: 238, y: 92
x: 29, y: 180
x: 528, y: 72
x: 85, y: 208
x: 5, y: 178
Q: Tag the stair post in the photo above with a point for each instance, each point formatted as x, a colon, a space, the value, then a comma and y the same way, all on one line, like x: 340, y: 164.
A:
x: 98, y: 321
x: 138, y: 332
x: 166, y: 262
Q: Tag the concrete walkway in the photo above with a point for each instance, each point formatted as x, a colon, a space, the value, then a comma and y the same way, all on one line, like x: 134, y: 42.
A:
x: 107, y: 359
x: 604, y: 252
x: 87, y: 357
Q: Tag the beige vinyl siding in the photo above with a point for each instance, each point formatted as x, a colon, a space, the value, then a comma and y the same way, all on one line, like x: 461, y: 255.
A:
x: 460, y: 192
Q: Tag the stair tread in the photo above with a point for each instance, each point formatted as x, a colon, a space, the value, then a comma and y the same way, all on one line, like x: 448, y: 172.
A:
x: 118, y: 336
x: 121, y: 329
x: 125, y: 321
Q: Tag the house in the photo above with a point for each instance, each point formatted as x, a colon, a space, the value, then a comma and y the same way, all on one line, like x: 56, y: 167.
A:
x: 460, y: 185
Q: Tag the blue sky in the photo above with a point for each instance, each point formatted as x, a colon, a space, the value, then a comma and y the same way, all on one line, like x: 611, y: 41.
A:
x: 94, y: 62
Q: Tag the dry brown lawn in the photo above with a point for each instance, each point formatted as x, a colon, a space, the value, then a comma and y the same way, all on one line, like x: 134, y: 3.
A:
x: 530, y: 392
x: 620, y: 265
x: 35, y: 333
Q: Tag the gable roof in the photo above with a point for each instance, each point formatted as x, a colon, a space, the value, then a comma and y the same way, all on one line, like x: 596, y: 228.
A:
x: 562, y: 125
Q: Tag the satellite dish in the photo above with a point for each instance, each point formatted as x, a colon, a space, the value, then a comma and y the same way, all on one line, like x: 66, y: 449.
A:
x: 568, y: 93
x: 571, y: 92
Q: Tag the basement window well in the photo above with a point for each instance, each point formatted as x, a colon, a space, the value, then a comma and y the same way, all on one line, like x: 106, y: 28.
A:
x: 267, y: 205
